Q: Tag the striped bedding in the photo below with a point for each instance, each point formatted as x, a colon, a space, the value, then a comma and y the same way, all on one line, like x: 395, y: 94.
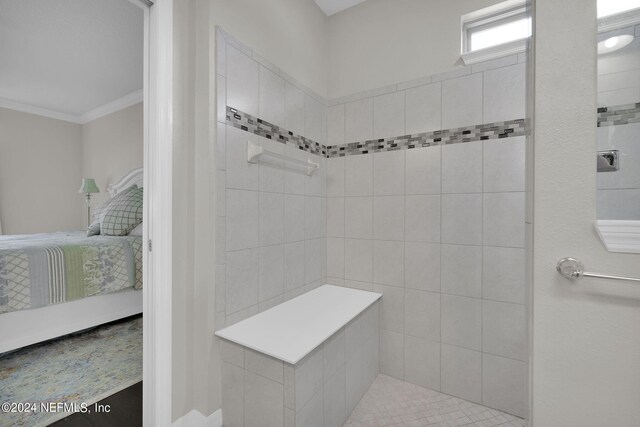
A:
x: 43, y: 269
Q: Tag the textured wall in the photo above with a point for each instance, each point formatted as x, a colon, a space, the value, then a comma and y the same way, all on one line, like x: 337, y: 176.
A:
x: 585, y: 347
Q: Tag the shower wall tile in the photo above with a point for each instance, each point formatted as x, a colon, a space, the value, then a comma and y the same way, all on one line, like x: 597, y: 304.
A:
x: 293, y: 266
x: 388, y: 173
x: 422, y: 266
x: 293, y: 109
x: 462, y: 219
x: 392, y: 353
x: 462, y: 373
x: 358, y: 176
x: 242, y: 279
x: 422, y: 314
x: 388, y: 262
x: 335, y: 125
x: 422, y: 218
x: 315, y: 266
x: 504, y: 93
x: 316, y: 184
x: 424, y: 108
x: 335, y: 177
x: 294, y: 220
x: 391, y: 307
x: 503, y: 166
x: 503, y: 218
x: 335, y: 217
x: 273, y: 218
x: 358, y: 120
x: 504, y: 329
x: 389, y: 114
x: 462, y: 101
x: 423, y: 171
x: 461, y: 321
x: 242, y: 219
x: 315, y: 224
x: 422, y: 362
x: 465, y: 281
x: 240, y: 173
x: 503, y: 274
x: 335, y: 257
x: 358, y: 263
x: 358, y: 217
x: 388, y: 218
x: 271, y: 97
x: 243, y: 81
x: 462, y: 168
x: 504, y: 384
x: 313, y: 112
x: 271, y: 271
x: 272, y: 170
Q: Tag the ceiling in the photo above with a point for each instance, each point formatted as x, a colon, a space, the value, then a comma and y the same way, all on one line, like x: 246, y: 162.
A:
x: 329, y: 7
x: 70, y: 56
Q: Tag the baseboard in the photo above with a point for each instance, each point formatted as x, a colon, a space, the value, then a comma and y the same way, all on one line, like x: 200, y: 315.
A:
x: 195, y: 419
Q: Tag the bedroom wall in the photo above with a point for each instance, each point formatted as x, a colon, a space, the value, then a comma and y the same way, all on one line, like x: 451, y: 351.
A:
x: 40, y: 173
x: 381, y: 42
x: 112, y: 146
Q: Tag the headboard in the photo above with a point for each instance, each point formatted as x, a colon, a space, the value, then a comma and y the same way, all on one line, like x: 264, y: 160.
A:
x: 135, y: 177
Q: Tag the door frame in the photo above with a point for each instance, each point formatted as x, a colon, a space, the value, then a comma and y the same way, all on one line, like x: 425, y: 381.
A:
x: 157, y: 234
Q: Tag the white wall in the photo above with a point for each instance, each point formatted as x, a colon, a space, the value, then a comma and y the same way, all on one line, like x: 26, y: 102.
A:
x: 40, y: 173
x: 382, y: 42
x: 112, y: 146
x: 585, y: 346
x: 289, y: 33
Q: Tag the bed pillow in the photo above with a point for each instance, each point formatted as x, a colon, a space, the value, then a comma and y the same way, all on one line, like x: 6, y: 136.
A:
x: 136, y: 231
x: 94, y: 227
x: 123, y: 213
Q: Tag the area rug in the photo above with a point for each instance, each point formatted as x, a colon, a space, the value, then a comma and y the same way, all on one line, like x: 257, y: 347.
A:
x: 80, y: 368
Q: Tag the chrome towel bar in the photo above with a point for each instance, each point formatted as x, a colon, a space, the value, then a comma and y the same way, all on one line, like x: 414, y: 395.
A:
x: 572, y: 268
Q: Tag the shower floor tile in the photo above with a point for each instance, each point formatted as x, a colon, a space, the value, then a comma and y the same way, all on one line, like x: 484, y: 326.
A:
x: 392, y: 402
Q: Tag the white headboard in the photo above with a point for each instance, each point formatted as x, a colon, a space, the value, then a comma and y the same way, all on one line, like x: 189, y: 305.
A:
x: 135, y: 177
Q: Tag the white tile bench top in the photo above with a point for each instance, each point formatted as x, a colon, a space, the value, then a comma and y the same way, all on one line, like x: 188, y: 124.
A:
x: 291, y: 330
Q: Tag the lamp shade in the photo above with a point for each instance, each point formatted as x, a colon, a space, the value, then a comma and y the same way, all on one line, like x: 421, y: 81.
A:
x: 88, y: 186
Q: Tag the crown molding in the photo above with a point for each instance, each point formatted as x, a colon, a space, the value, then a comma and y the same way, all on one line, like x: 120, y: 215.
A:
x: 113, y: 106
x: 106, y: 109
x: 52, y: 114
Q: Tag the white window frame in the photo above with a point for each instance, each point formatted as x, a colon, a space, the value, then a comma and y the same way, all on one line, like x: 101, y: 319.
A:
x: 500, y: 13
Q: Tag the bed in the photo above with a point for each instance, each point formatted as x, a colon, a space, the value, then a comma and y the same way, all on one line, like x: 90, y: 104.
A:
x: 56, y: 283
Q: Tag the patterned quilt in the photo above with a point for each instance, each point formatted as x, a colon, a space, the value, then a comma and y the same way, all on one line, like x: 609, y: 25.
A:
x: 43, y: 269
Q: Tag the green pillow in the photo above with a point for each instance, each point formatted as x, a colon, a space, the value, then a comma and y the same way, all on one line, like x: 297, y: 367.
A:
x: 123, y: 213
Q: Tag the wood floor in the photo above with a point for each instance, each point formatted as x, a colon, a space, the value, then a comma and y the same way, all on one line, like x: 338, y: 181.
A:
x: 125, y: 410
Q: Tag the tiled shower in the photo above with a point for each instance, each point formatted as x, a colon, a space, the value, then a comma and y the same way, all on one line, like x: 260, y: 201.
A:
x: 419, y: 196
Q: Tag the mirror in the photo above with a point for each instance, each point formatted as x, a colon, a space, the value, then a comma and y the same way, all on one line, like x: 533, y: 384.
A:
x: 618, y: 144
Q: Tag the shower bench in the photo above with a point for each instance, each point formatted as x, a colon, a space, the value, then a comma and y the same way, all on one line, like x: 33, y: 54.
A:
x: 306, y: 362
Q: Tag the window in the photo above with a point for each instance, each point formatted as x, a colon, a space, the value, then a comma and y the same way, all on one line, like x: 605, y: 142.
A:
x: 503, y: 29
x: 495, y: 31
x: 614, y: 7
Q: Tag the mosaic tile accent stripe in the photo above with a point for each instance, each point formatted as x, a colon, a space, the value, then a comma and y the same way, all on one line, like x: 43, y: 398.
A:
x: 247, y: 122
x: 619, y: 115
x: 482, y: 132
